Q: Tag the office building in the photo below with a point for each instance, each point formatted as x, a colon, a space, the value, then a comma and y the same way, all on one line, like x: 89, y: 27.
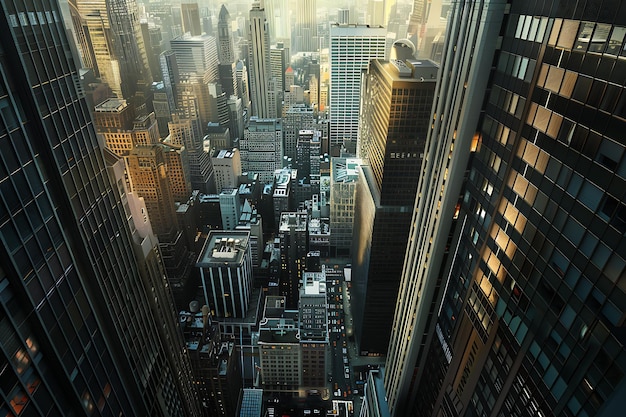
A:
x: 305, y: 30
x: 230, y: 208
x: 242, y: 88
x: 262, y: 148
x: 259, y: 63
x: 282, y: 191
x: 115, y: 44
x: 226, y: 272
x: 313, y: 324
x: 297, y: 117
x: 523, y: 317
x: 171, y: 77
x: 196, y: 57
x: 215, y: 364
x: 121, y: 134
x: 226, y: 49
x: 344, y: 178
x: 187, y: 132
x: 227, y: 168
x: 279, y: 61
x: 147, y: 174
x: 279, y: 20
x: 177, y: 171
x: 70, y: 276
x: 351, y: 49
x: 396, y: 104
x: 279, y: 348
x: 191, y: 18
x: 294, y: 246
x: 308, y: 155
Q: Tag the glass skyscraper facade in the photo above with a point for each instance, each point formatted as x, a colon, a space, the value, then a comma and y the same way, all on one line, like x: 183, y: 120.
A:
x: 521, y: 313
x: 84, y: 329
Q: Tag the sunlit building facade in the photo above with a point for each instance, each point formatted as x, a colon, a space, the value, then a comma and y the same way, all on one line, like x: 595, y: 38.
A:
x: 351, y: 49
x: 519, y: 311
x: 87, y: 321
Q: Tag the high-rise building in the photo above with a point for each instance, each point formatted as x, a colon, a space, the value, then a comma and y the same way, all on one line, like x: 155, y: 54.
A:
x: 279, y: 348
x: 305, y: 31
x: 177, y: 171
x: 191, y: 18
x: 262, y: 148
x: 351, y: 49
x: 116, y: 44
x: 279, y: 20
x: 279, y: 61
x: 227, y: 168
x: 230, y: 208
x: 214, y: 362
x: 87, y: 321
x: 226, y: 272
x: 147, y: 174
x: 518, y: 311
x: 396, y: 103
x: 226, y: 45
x: 259, y: 63
x: 296, y: 118
x: 197, y: 57
x: 294, y: 246
x: 283, y: 191
x: 308, y: 154
x: 186, y: 132
x: 171, y: 77
x: 313, y: 325
x: 344, y: 178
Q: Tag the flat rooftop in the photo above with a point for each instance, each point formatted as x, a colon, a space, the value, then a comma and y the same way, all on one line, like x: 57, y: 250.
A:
x: 223, y: 247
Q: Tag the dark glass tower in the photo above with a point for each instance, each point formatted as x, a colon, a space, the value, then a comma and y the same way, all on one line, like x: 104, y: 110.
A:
x: 526, y: 316
x: 396, y: 99
x: 84, y: 328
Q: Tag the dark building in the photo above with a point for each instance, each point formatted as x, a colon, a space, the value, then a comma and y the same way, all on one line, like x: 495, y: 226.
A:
x: 525, y: 316
x: 294, y: 242
x: 396, y: 102
x: 85, y: 328
x: 214, y: 362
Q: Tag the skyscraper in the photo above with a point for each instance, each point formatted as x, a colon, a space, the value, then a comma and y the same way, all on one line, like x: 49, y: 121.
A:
x: 351, y: 49
x: 259, y: 63
x: 396, y: 101
x: 148, y: 178
x: 117, y: 43
x: 520, y: 310
x: 191, y: 18
x: 305, y: 39
x: 226, y: 46
x: 262, y: 148
x: 85, y: 324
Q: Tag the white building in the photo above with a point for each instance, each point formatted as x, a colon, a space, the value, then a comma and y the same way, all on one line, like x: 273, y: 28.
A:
x: 226, y: 168
x: 351, y: 49
x: 196, y: 55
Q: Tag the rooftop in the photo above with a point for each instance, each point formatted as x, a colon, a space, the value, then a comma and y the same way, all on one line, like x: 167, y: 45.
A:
x: 223, y: 247
x: 345, y: 169
x: 112, y: 105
